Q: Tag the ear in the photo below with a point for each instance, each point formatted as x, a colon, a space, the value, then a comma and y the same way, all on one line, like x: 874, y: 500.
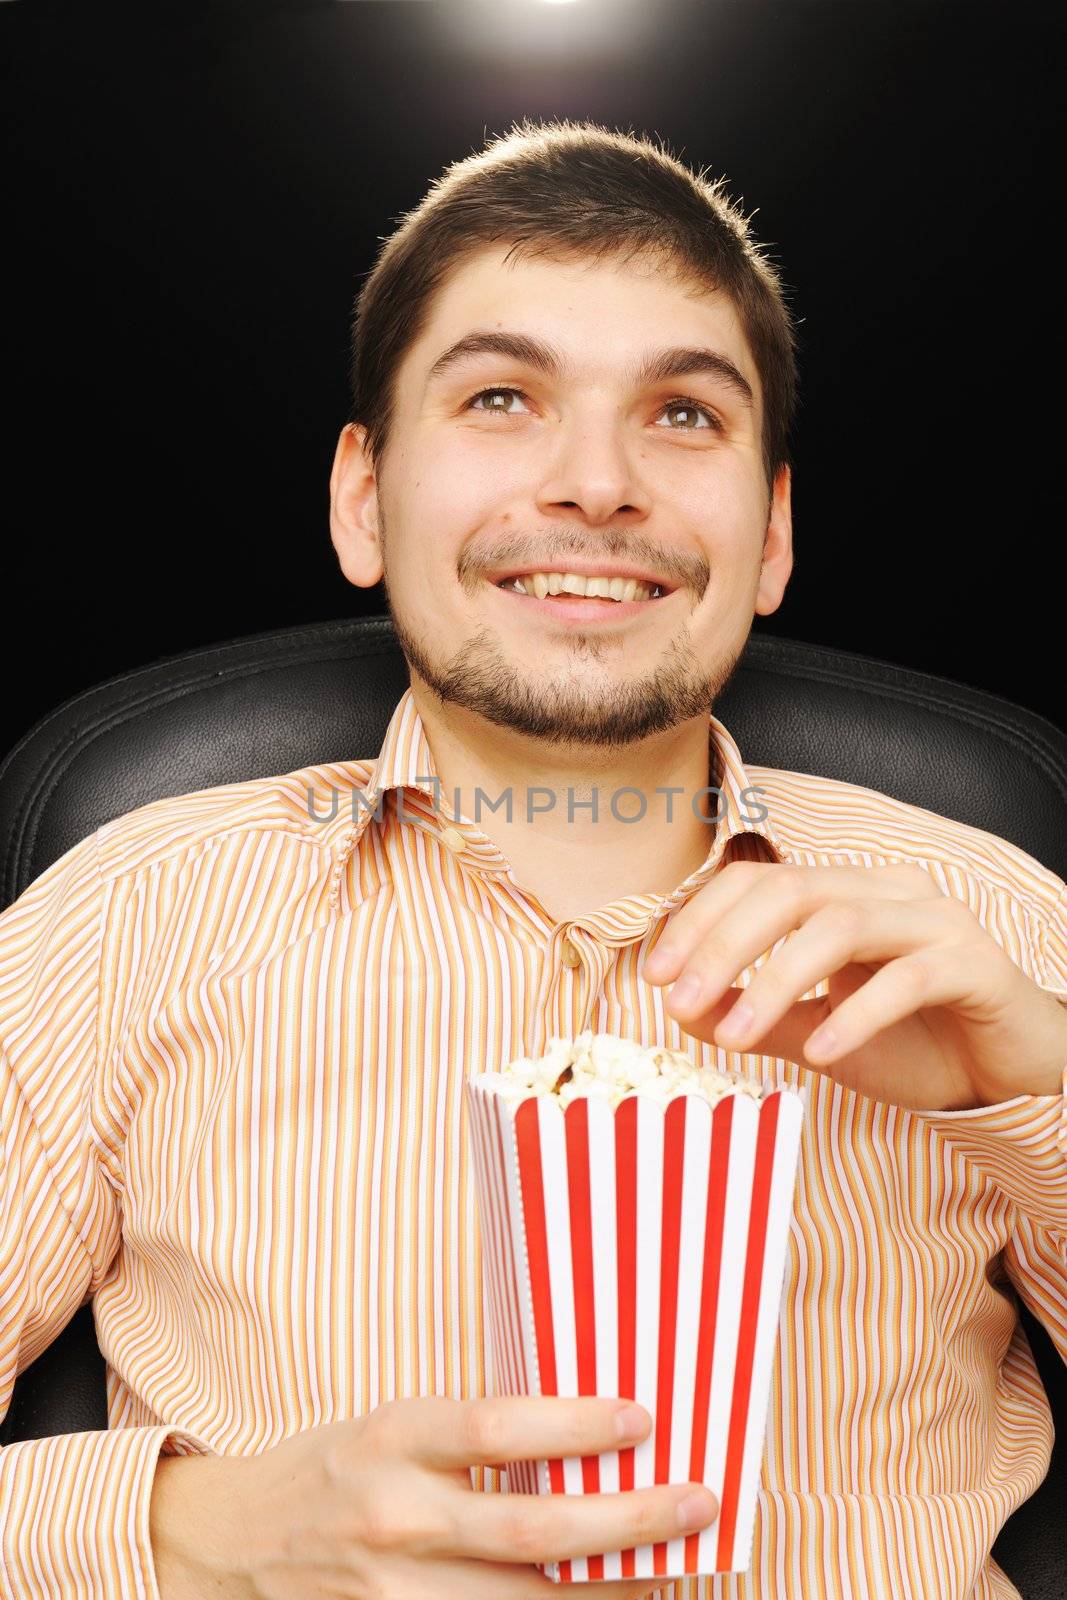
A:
x: 777, y: 562
x: 354, y: 509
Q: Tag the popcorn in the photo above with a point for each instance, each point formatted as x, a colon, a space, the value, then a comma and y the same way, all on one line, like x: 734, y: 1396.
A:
x: 606, y: 1067
x: 635, y: 1212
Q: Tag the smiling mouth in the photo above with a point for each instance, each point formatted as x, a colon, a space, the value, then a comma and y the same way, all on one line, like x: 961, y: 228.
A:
x: 517, y: 586
x: 579, y: 610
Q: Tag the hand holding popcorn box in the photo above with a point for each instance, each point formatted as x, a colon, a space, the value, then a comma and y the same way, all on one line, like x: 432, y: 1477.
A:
x: 635, y: 1211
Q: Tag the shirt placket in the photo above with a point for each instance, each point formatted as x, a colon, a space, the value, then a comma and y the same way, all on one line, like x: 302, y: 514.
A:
x: 575, y: 966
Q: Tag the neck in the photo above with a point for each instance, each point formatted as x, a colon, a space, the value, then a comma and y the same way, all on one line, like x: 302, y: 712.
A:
x: 565, y: 831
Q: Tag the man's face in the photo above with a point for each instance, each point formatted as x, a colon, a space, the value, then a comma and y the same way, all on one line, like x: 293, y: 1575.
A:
x: 591, y: 468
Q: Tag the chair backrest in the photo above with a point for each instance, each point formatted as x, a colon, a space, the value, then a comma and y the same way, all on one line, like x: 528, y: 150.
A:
x: 273, y: 702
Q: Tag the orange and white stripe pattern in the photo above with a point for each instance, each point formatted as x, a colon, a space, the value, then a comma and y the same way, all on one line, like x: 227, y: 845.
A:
x: 235, y: 1030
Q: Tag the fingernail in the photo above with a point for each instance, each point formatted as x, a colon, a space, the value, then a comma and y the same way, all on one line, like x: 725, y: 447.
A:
x: 822, y: 1039
x: 737, y: 1020
x: 631, y: 1422
x: 658, y: 962
x: 697, y: 1510
x: 686, y: 989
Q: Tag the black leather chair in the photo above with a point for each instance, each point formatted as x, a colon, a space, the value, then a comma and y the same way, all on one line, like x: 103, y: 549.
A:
x: 273, y: 702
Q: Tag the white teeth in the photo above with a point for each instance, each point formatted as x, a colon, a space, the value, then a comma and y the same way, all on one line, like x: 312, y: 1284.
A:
x: 542, y: 584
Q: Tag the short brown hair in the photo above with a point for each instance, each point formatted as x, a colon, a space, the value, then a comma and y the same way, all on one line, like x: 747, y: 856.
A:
x: 566, y: 188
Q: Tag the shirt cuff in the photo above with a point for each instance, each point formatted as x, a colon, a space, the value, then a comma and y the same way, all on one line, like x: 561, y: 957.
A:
x: 74, y: 1513
x: 1020, y: 1145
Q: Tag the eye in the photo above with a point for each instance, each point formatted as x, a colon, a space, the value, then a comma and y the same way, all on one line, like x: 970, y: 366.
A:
x: 489, y: 409
x: 681, y: 402
x: 684, y: 403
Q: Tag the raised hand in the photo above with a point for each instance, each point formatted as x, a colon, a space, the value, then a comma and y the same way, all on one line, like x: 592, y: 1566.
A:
x: 924, y: 1009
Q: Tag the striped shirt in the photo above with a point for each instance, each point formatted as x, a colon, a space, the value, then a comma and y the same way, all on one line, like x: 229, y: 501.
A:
x: 234, y: 1030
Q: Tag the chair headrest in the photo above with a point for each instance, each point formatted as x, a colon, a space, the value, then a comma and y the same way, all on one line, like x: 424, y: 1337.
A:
x: 270, y: 703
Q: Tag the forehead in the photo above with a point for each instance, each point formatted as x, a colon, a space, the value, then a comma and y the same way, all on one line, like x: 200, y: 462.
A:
x: 599, y: 314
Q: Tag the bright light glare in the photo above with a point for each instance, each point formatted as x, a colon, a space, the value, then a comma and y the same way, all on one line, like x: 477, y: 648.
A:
x: 595, y: 35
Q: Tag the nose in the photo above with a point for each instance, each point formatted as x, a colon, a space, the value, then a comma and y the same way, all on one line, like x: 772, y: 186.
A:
x: 596, y: 471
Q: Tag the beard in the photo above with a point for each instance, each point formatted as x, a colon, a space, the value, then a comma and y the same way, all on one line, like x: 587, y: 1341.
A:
x: 565, y: 708
x: 555, y: 709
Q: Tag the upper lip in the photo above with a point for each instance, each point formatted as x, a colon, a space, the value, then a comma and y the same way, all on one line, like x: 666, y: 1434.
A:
x: 585, y: 569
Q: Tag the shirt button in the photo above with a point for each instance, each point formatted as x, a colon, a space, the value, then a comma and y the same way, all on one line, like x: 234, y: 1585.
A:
x: 569, y: 956
x: 453, y: 840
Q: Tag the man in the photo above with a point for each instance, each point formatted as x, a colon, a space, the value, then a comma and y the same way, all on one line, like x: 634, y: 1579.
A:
x: 236, y: 1024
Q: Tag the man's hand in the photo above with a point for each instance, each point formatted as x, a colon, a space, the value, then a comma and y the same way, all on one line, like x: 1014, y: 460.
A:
x: 385, y: 1505
x: 924, y: 1010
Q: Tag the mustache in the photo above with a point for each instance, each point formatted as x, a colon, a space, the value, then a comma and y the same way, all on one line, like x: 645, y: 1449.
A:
x: 676, y: 569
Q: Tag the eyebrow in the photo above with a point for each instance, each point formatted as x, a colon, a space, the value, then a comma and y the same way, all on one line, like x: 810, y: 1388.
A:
x: 679, y: 361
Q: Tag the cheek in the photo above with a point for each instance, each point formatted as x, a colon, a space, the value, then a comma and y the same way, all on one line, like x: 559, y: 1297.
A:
x: 732, y: 524
x: 446, y: 501
x: 730, y: 499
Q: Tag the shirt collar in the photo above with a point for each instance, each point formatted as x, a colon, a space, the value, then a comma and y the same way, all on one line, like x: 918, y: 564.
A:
x: 406, y: 762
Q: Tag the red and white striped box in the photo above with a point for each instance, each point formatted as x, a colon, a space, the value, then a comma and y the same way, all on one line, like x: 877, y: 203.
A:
x: 639, y: 1251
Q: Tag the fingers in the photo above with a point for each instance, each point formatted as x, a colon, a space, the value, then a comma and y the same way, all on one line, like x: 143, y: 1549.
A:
x: 917, y: 981
x: 490, y: 1580
x: 480, y: 1580
x: 557, y: 1527
x: 834, y: 937
x: 748, y: 907
x: 451, y: 1434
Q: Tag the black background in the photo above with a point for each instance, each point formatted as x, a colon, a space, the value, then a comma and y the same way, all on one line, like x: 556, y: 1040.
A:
x: 193, y: 195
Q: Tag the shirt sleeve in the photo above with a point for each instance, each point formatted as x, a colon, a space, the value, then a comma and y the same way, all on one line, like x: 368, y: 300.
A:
x: 1021, y: 1147
x: 74, y: 1508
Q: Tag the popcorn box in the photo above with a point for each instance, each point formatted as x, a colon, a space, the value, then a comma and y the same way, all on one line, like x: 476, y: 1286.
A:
x: 639, y: 1251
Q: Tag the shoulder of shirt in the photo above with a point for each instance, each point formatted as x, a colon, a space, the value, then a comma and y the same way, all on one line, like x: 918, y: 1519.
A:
x: 831, y: 817
x: 177, y: 825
